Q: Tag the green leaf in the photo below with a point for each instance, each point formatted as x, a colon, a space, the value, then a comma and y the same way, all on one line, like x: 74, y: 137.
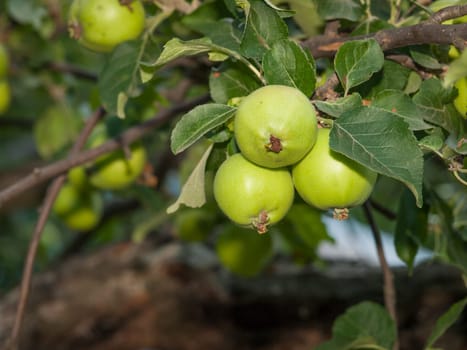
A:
x: 208, y: 19
x: 193, y: 193
x: 381, y: 142
x: 301, y: 232
x: 345, y: 9
x: 393, y: 76
x: 28, y: 12
x: 224, y: 34
x: 450, y: 246
x: 424, y: 57
x: 231, y: 5
x: 434, y: 141
x: 446, y: 321
x: 357, y: 61
x: 263, y: 28
x: 147, y: 225
x: 435, y: 103
x: 196, y: 123
x: 176, y: 48
x: 306, y: 222
x: 56, y: 128
x: 288, y: 64
x: 306, y: 16
x: 411, y: 228
x: 413, y: 83
x: 281, y: 11
x: 231, y: 80
x: 397, y: 102
x: 364, y: 326
x: 119, y: 79
x: 337, y: 107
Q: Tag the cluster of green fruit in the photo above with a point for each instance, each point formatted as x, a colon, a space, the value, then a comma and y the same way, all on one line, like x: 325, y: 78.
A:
x: 79, y: 203
x: 5, y: 93
x: 282, y: 150
x: 100, y: 25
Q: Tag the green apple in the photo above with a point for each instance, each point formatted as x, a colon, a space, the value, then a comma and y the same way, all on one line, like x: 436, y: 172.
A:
x: 275, y: 126
x: 329, y: 180
x: 100, y: 25
x: 250, y: 195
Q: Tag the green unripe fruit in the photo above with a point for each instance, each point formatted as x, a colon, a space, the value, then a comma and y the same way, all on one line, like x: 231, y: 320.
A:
x: 86, y: 214
x: 4, y: 62
x: 5, y: 96
x: 114, y: 171
x: 79, y: 210
x: 460, y: 102
x: 243, y: 252
x: 78, y: 177
x: 250, y: 195
x: 194, y: 224
x: 275, y: 126
x: 100, y: 25
x: 329, y: 180
x: 67, y: 199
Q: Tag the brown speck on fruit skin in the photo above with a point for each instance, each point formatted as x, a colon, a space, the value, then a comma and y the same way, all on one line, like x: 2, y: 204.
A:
x: 261, y: 222
x: 341, y: 214
x: 274, y: 144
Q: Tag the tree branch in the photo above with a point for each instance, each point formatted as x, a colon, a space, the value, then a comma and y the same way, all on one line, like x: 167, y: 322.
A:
x: 427, y: 32
x: 388, y: 289
x: 449, y: 12
x: 45, y: 173
x: 12, y: 342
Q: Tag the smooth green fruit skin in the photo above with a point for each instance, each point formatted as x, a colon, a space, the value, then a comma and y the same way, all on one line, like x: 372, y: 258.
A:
x: 5, y: 96
x: 281, y: 111
x: 78, y: 177
x: 243, y: 191
x: 4, y: 62
x: 194, y: 224
x: 86, y: 215
x: 106, y: 23
x: 66, y: 200
x: 242, y: 251
x: 115, y: 171
x: 326, y: 179
x: 460, y: 102
x: 79, y: 210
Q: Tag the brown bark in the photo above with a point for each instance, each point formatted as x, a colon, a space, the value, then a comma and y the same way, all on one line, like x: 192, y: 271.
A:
x: 423, y: 33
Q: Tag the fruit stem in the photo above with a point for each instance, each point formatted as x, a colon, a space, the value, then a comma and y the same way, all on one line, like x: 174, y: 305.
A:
x: 74, y: 29
x: 341, y: 214
x: 261, y: 222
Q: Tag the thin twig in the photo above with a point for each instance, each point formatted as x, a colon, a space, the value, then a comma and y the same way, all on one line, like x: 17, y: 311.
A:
x: 45, y: 173
x: 73, y: 70
x: 389, y: 214
x: 15, y: 122
x: 12, y: 342
x: 388, y: 278
x: 327, y: 90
